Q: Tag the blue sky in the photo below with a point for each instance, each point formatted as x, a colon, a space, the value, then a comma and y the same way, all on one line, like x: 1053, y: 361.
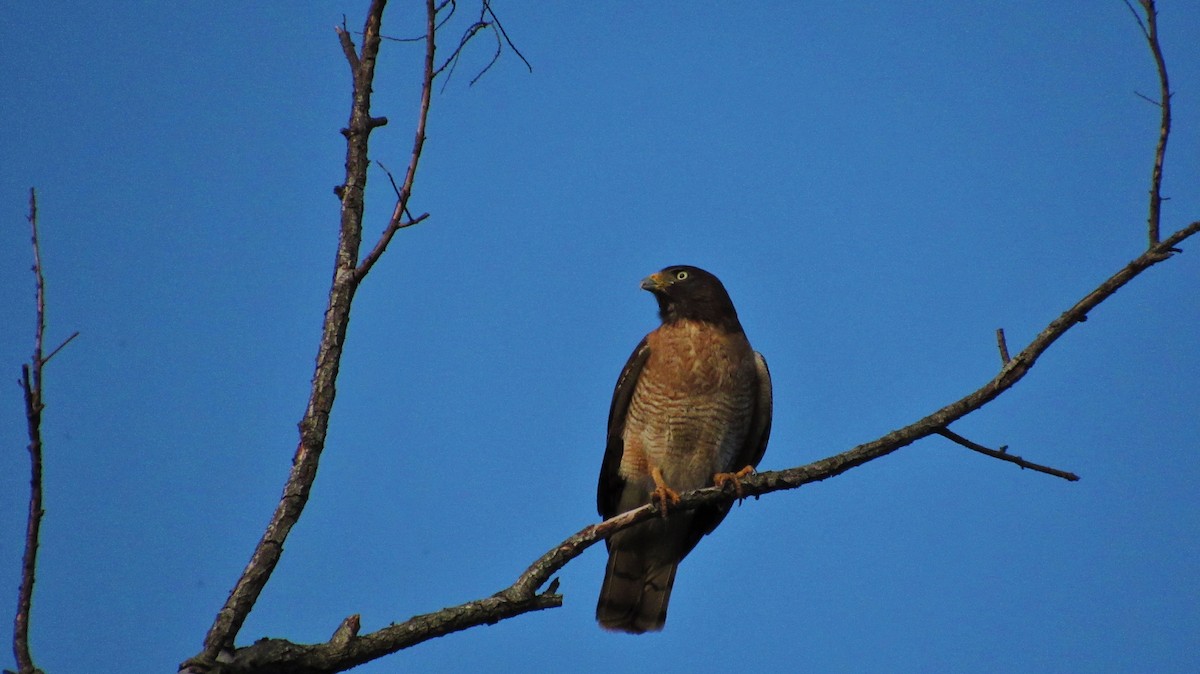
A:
x: 879, y: 187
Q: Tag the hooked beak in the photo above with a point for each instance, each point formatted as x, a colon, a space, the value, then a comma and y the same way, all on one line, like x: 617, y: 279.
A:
x: 655, y: 281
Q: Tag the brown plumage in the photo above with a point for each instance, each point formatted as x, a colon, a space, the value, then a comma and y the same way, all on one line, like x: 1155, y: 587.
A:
x: 692, y: 405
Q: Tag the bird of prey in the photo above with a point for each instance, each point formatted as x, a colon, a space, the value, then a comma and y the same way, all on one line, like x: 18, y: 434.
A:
x: 691, y: 409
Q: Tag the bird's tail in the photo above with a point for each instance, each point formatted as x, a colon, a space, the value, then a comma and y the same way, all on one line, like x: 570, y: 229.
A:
x: 635, y: 592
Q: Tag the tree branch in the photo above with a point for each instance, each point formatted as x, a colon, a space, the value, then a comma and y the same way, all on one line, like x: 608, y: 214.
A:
x: 1003, y: 346
x: 315, y: 423
x: 31, y: 385
x: 1003, y: 455
x: 1150, y: 31
x: 405, y: 190
x: 480, y: 24
x: 348, y: 274
x: 487, y: 10
x: 278, y: 655
x: 60, y: 347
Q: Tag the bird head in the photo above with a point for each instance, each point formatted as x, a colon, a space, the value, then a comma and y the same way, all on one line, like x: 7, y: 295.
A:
x: 690, y: 293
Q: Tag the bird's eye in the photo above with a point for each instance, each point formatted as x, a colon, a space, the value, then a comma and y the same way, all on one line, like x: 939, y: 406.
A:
x: 680, y: 275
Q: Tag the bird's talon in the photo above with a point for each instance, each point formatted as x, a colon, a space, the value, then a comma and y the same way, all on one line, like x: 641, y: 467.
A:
x: 665, y: 497
x: 722, y: 479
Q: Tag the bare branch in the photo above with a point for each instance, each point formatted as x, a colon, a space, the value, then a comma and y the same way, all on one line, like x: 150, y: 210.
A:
x: 1000, y: 342
x: 1150, y: 31
x: 1003, y: 455
x: 405, y: 191
x: 495, y: 57
x: 60, y: 347
x: 347, y: 47
x: 278, y: 655
x: 315, y: 423
x: 498, y: 30
x: 418, y: 38
x: 487, y: 8
x: 487, y: 19
x: 348, y: 274
x: 1146, y: 98
x: 40, y: 329
x: 396, y: 188
x: 452, y: 60
x: 31, y: 384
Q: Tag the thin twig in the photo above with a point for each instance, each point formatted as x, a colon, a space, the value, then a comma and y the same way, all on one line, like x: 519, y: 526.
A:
x: 1146, y: 98
x: 400, y: 197
x: 1000, y: 342
x: 487, y: 19
x: 396, y: 222
x: 419, y: 38
x: 60, y: 347
x: 452, y: 60
x: 495, y: 58
x: 1003, y: 455
x: 487, y: 7
x: 1150, y: 32
x: 1138, y: 17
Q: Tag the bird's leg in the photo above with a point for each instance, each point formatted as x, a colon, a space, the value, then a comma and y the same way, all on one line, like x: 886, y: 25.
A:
x: 722, y: 479
x: 662, y: 494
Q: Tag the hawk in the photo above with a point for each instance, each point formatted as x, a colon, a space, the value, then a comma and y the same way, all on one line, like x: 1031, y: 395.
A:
x: 691, y: 409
